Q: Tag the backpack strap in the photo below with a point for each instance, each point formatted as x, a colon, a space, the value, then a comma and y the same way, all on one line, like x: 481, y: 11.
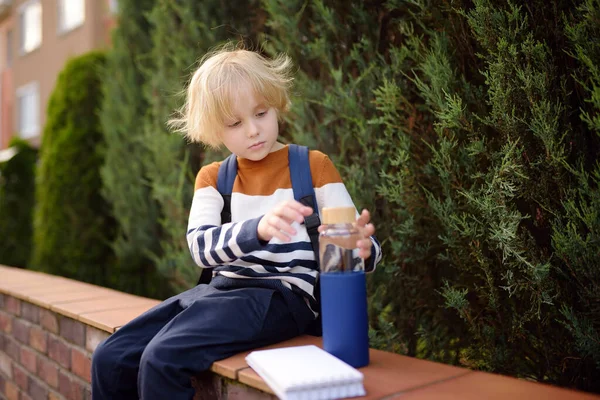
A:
x: 225, y: 180
x: 304, y: 192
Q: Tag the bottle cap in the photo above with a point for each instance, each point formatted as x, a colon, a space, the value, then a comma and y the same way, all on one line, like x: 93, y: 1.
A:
x: 338, y: 215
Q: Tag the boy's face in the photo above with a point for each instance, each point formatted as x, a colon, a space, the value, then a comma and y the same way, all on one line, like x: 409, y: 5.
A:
x: 253, y: 133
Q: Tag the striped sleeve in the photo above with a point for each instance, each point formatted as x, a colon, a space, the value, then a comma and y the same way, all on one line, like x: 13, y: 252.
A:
x: 212, y: 244
x: 331, y: 192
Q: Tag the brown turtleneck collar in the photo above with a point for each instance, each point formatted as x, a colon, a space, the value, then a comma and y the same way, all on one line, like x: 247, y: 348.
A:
x: 276, y: 157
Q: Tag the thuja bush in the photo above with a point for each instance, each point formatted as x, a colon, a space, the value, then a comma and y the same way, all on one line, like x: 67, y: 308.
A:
x: 125, y: 183
x: 17, y: 180
x: 470, y: 130
x: 182, y: 31
x: 72, y: 222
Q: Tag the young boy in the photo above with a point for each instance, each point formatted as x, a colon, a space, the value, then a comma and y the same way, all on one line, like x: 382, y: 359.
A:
x: 264, y: 269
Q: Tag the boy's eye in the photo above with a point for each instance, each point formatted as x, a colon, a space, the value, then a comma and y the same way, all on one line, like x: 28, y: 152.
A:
x: 234, y: 124
x: 261, y: 114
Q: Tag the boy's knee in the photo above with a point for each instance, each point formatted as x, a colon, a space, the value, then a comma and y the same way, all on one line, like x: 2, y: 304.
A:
x: 104, y: 357
x: 151, y: 355
x: 160, y: 355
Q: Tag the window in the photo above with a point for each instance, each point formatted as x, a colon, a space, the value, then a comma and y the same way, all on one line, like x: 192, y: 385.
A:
x: 28, y: 103
x: 30, y: 21
x: 9, y: 48
x: 71, y: 14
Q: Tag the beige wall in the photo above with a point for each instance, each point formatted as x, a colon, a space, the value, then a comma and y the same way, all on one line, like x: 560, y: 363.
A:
x: 45, y: 63
x: 6, y: 84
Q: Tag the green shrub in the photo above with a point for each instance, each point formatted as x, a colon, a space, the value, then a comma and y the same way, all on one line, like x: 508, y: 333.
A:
x: 470, y: 130
x: 72, y: 226
x: 125, y: 183
x: 17, y: 182
x: 182, y: 32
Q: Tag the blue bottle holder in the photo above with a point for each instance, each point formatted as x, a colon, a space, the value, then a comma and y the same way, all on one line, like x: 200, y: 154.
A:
x: 344, y: 315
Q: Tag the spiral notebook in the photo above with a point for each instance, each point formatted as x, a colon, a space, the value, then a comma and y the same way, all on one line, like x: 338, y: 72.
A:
x: 306, y: 372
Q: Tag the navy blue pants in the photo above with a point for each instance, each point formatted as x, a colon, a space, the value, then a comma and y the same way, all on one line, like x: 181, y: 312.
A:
x: 155, y: 355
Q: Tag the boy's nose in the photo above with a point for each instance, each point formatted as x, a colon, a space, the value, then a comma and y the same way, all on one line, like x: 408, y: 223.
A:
x: 252, y: 129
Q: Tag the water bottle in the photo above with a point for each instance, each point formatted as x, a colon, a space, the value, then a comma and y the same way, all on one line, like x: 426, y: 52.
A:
x: 343, y: 288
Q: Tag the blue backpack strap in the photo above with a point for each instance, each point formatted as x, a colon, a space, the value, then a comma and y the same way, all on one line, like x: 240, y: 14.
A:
x: 227, y: 174
x: 304, y: 192
x: 225, y: 180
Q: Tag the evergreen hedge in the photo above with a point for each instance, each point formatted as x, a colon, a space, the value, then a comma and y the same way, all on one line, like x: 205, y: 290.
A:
x: 476, y: 127
x: 181, y: 31
x: 469, y: 128
x: 72, y: 224
x: 125, y: 182
x: 17, y: 180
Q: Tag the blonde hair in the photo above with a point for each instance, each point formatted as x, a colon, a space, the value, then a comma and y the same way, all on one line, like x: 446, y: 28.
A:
x: 212, y: 90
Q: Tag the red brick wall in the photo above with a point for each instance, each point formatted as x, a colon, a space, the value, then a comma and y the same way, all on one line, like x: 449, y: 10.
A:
x: 43, y: 355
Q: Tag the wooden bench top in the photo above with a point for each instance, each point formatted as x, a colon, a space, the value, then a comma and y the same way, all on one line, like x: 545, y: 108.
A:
x: 387, y: 376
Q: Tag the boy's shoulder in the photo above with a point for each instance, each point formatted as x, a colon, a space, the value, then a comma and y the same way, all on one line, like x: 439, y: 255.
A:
x: 315, y: 157
x: 322, y: 169
x: 207, y: 176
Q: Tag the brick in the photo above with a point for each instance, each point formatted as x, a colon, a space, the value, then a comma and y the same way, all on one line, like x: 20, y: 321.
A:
x: 25, y: 396
x: 69, y: 388
x: 28, y: 359
x: 48, y: 371
x: 20, y: 377
x: 59, y: 351
x: 6, y: 365
x: 5, y: 322
x: 2, y: 385
x: 2, y: 341
x: 20, y: 330
x: 38, y: 339
x: 207, y: 385
x: 243, y: 392
x: 93, y: 337
x: 48, y: 321
x: 73, y: 331
x: 12, y: 391
x: 30, y: 312
x: 12, y: 305
x: 37, y: 391
x: 54, y: 396
x: 81, y: 365
x: 11, y: 347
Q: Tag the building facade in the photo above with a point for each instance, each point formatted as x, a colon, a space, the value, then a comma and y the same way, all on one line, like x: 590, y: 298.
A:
x: 37, y: 38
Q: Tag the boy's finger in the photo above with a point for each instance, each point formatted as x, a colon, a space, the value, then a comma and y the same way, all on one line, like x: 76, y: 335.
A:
x: 368, y: 230
x: 281, y: 236
x: 301, y: 208
x: 364, y: 244
x: 364, y: 218
x: 279, y: 224
x: 276, y: 233
x: 290, y: 214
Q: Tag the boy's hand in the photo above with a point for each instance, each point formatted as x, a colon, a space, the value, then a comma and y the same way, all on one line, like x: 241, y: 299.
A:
x: 367, y: 230
x: 277, y: 223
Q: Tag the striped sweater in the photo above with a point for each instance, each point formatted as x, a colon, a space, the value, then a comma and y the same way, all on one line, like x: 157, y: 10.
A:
x: 234, y: 250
